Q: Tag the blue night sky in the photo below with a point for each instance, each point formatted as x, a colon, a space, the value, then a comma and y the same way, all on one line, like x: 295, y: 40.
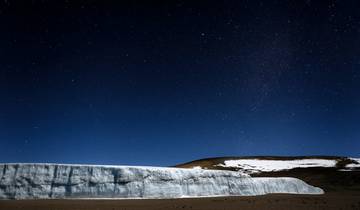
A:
x: 168, y: 82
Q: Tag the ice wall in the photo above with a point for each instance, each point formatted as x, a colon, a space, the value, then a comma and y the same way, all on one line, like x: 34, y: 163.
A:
x: 46, y: 181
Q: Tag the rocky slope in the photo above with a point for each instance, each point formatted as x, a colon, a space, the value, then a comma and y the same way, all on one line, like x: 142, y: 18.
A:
x: 29, y: 181
x: 331, y: 173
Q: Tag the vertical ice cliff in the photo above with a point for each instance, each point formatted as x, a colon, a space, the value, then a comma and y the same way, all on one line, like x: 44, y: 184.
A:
x: 46, y: 181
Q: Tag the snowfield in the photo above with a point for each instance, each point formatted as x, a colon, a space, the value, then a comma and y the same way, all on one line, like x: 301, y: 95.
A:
x: 262, y: 165
x: 47, y: 181
x: 354, y: 165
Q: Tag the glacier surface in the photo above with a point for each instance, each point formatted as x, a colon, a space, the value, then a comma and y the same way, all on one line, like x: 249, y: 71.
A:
x: 48, y: 181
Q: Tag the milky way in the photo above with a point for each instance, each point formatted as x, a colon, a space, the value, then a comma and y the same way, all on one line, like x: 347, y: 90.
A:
x: 135, y: 82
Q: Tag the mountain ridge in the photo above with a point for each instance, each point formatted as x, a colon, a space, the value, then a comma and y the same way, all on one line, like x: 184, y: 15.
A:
x: 339, y: 178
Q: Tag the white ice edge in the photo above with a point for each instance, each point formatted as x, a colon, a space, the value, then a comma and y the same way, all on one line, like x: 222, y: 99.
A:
x: 182, y: 197
x: 87, y: 165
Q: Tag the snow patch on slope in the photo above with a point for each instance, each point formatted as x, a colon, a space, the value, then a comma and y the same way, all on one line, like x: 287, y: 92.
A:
x: 261, y: 165
x: 354, y: 165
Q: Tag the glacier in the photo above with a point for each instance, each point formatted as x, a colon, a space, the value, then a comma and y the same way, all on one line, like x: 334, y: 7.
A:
x: 65, y: 181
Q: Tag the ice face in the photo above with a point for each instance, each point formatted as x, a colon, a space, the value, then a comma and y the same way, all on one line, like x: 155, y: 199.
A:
x: 46, y: 181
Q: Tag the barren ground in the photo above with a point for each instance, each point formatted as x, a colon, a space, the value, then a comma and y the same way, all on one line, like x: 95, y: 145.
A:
x: 276, y: 202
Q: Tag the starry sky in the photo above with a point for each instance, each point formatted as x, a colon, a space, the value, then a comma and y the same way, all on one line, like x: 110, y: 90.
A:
x: 160, y: 83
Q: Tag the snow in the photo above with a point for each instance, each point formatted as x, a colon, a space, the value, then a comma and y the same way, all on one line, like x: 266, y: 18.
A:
x: 49, y: 181
x: 354, y: 165
x: 261, y: 165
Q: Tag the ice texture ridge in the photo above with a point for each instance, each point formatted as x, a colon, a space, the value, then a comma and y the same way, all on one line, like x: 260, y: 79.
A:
x: 47, y: 181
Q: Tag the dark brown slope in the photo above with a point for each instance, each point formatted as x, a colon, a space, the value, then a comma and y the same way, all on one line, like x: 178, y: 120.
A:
x: 211, y: 163
x: 329, y: 179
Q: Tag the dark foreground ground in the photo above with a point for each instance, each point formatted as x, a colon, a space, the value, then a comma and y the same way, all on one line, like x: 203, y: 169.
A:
x: 276, y: 202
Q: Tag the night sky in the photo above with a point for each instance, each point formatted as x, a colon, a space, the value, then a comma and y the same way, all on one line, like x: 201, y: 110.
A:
x: 162, y: 83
